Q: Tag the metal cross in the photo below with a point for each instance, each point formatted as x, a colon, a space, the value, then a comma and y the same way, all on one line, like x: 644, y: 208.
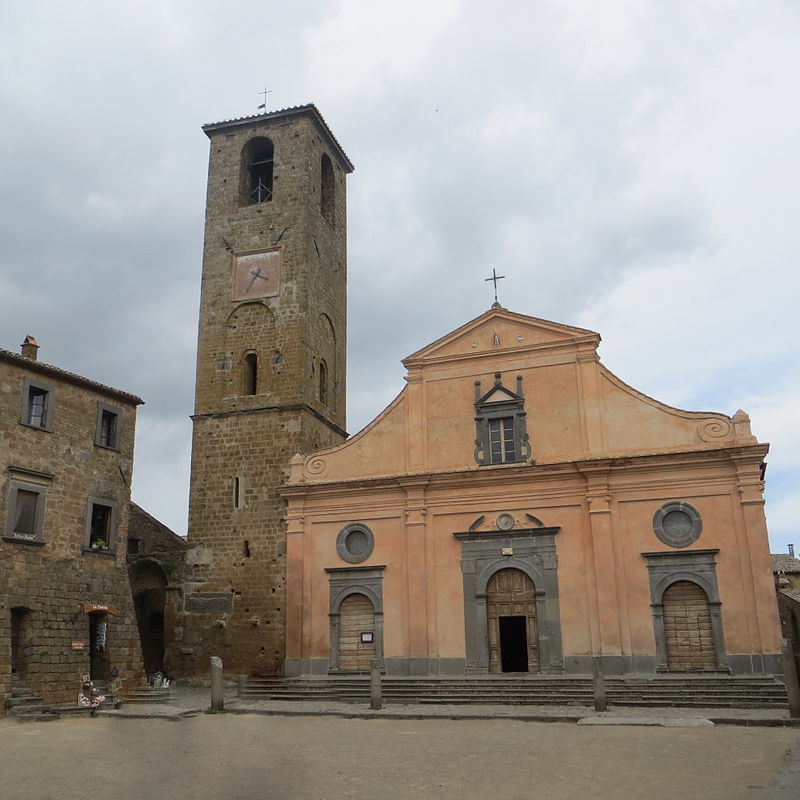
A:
x: 264, y: 104
x: 495, y: 277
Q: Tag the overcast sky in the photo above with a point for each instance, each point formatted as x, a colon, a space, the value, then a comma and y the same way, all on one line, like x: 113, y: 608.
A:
x: 631, y: 167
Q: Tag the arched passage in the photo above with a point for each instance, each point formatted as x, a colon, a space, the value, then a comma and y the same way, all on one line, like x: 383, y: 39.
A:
x: 148, y: 586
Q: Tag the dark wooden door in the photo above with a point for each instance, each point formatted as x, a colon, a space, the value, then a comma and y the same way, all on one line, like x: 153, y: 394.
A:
x: 687, y: 628
x: 511, y: 593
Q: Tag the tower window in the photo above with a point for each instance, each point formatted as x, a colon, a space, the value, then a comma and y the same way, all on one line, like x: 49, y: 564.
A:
x: 251, y: 373
x: 500, y: 435
x: 323, y: 382
x: 258, y: 163
x: 327, y: 189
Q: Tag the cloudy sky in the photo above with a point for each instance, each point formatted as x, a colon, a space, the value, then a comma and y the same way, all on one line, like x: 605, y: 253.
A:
x: 631, y: 166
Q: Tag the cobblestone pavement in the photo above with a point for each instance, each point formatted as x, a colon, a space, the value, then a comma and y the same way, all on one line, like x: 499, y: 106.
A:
x: 262, y: 757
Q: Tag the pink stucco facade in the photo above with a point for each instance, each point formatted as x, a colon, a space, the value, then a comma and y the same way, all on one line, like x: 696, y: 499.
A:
x: 576, y: 515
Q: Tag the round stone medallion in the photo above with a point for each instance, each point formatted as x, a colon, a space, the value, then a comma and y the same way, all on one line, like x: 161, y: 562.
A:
x: 355, y: 543
x: 505, y: 521
x: 677, y: 524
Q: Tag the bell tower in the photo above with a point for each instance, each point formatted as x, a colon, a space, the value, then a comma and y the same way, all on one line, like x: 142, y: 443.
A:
x: 270, y: 372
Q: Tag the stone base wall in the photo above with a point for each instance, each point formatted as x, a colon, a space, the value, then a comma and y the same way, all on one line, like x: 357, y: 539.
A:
x: 58, y: 596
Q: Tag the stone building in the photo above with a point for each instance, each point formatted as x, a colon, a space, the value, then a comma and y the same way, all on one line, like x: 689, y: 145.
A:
x: 66, y: 450
x: 786, y: 569
x: 270, y: 372
x: 518, y: 508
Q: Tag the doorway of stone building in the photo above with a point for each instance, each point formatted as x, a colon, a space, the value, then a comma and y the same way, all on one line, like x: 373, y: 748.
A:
x: 688, y: 634
x: 149, y: 588
x: 512, y: 624
x: 356, y: 633
x: 19, y: 634
x: 99, y: 664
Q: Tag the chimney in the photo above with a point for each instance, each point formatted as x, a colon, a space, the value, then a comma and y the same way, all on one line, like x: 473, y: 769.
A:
x: 30, y: 348
x: 791, y: 550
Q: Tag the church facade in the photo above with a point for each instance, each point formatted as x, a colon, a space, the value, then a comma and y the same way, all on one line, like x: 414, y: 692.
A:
x: 518, y: 508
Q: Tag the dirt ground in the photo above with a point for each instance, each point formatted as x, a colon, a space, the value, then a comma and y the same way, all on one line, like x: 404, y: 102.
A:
x: 234, y: 757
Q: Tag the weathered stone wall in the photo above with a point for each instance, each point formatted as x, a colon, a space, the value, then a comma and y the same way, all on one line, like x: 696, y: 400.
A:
x: 235, y: 589
x: 54, y: 575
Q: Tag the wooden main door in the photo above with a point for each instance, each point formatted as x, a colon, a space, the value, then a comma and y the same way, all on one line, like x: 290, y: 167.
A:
x: 688, y: 634
x: 511, y: 617
x: 356, y: 633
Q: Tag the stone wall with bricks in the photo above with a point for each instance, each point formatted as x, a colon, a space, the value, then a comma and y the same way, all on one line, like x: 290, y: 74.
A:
x: 66, y: 461
x: 246, y: 427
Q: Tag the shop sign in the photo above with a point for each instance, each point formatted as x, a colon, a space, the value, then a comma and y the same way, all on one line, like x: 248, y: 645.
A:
x: 77, y: 645
x: 88, y: 608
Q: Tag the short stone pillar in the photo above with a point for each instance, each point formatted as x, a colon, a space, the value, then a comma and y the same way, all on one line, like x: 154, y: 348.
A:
x: 241, y: 685
x: 375, y: 700
x: 790, y: 678
x: 217, y: 685
x: 599, y: 684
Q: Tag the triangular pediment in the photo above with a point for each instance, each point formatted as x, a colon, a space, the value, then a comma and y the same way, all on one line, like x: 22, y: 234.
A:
x: 500, y: 329
x: 499, y: 395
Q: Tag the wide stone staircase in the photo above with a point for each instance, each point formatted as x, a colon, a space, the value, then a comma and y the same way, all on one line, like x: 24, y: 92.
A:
x: 24, y: 706
x: 712, y: 690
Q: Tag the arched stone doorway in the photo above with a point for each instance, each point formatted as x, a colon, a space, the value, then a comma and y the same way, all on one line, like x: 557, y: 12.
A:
x: 356, y: 633
x: 512, y: 625
x: 688, y: 632
x: 148, y: 586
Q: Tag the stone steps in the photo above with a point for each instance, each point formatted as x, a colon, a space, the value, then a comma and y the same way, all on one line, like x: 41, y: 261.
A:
x: 710, y: 691
x: 29, y: 708
x: 146, y: 694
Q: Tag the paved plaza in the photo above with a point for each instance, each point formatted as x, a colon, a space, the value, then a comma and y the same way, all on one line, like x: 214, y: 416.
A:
x: 267, y: 757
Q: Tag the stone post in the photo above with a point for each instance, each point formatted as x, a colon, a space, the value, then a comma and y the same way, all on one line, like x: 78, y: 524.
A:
x: 375, y: 702
x: 599, y: 684
x: 217, y: 702
x: 241, y: 685
x: 790, y: 678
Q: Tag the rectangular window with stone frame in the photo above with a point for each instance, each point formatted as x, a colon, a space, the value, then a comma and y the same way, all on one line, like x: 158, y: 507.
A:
x: 25, y: 521
x: 108, y: 424
x: 102, y: 520
x: 37, y: 404
x: 500, y: 429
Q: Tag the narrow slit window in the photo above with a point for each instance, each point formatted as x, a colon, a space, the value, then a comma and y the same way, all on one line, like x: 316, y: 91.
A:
x: 237, y: 492
x: 251, y: 373
x: 323, y: 382
x: 327, y: 189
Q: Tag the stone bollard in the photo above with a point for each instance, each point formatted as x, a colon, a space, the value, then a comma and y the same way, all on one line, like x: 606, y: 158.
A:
x: 241, y: 685
x: 217, y: 702
x: 790, y: 678
x: 599, y: 684
x: 375, y: 685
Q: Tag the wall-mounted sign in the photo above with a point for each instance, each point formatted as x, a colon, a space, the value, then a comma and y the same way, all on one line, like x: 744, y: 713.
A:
x: 89, y: 608
x: 366, y: 636
x: 77, y: 645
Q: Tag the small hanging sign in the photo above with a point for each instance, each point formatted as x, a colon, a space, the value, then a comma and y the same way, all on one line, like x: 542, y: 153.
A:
x: 77, y: 645
x: 88, y: 608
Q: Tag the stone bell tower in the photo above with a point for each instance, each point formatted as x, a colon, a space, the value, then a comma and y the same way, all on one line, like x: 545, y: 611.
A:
x: 270, y: 372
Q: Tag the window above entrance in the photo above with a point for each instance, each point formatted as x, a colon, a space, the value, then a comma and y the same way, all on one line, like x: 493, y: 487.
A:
x: 501, y: 436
